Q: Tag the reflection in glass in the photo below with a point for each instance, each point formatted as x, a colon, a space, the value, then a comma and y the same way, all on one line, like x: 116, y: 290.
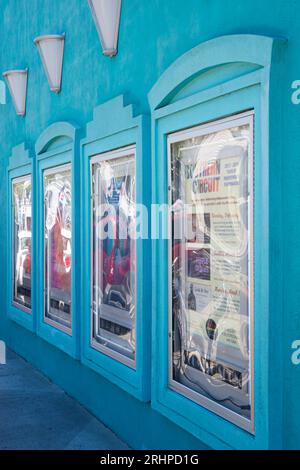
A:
x: 113, y: 189
x: 210, y: 266
x: 21, y: 190
x: 58, y: 246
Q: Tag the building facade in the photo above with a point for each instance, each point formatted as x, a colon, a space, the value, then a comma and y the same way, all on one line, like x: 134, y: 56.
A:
x: 179, y: 340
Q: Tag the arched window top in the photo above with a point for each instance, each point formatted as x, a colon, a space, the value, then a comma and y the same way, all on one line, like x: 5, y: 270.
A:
x: 227, y: 56
x: 55, y: 136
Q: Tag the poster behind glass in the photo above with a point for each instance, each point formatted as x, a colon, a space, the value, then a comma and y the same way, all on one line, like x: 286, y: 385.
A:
x: 58, y: 246
x: 113, y: 322
x: 22, y: 220
x: 211, y: 309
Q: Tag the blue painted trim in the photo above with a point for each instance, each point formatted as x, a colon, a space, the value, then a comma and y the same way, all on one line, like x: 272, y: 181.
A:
x: 209, y: 103
x: 20, y: 164
x: 59, y: 145
x: 114, y: 126
x: 231, y: 86
x: 54, y: 132
x: 20, y: 156
x: 238, y: 48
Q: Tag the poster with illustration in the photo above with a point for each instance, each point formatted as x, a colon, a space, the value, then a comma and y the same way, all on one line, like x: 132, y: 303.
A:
x: 58, y: 246
x: 22, y: 236
x: 211, y: 313
x: 114, y: 255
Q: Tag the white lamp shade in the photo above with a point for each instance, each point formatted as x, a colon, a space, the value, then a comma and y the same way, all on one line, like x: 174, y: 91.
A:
x: 17, y: 83
x: 106, y: 14
x: 51, y: 49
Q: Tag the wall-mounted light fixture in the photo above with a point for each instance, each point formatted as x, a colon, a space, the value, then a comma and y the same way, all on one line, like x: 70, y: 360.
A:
x: 51, y: 49
x: 106, y: 14
x: 17, y: 83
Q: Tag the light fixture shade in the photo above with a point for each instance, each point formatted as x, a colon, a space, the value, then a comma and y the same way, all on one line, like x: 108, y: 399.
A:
x: 106, y: 14
x: 51, y: 49
x: 17, y: 83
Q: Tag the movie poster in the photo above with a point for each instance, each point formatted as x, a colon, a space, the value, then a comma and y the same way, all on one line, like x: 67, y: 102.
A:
x: 22, y: 211
x: 114, y: 255
x: 211, y: 173
x: 58, y: 246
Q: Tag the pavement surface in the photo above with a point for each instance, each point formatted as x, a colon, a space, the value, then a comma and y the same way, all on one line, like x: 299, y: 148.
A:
x: 35, y: 414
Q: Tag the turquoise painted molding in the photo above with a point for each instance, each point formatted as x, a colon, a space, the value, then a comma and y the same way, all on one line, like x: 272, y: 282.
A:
x: 20, y: 156
x: 56, y: 135
x: 20, y: 164
x: 59, y: 145
x: 115, y: 126
x: 233, y: 49
x: 119, y: 117
x: 163, y: 34
x: 189, y: 93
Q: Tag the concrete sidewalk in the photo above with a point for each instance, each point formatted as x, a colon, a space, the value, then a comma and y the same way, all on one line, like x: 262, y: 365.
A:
x: 36, y: 414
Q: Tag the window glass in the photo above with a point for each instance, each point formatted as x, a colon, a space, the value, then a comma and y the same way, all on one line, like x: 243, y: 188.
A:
x: 113, y: 258
x: 211, y: 191
x: 22, y: 220
x: 58, y: 246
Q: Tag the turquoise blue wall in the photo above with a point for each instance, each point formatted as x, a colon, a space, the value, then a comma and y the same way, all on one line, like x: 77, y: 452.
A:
x: 152, y: 35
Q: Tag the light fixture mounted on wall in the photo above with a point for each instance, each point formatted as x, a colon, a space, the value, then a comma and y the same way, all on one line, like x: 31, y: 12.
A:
x: 51, y: 49
x: 106, y: 14
x: 17, y: 83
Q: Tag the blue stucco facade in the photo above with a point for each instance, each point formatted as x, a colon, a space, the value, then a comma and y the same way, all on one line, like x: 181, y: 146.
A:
x: 178, y: 63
